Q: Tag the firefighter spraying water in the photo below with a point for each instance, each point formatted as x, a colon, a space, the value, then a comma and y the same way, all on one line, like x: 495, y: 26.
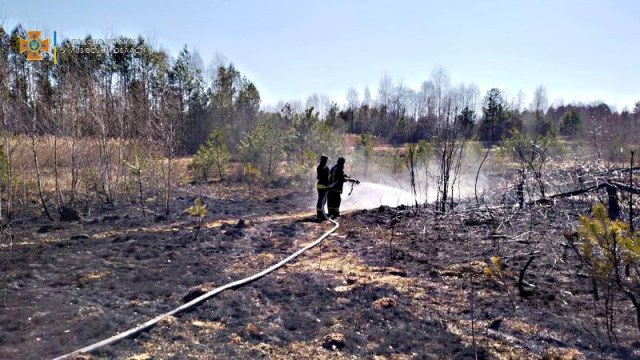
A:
x: 337, y: 178
x: 330, y: 185
x: 322, y: 186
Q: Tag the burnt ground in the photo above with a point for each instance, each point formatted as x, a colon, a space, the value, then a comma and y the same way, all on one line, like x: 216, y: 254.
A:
x: 353, y: 296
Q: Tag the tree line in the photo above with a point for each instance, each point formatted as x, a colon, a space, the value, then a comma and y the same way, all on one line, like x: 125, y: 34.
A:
x: 128, y: 96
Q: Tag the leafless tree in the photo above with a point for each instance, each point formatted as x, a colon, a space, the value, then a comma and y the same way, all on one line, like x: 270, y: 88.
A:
x: 352, y: 98
x: 366, y: 100
x: 385, y: 90
x: 449, y: 137
x: 540, y: 101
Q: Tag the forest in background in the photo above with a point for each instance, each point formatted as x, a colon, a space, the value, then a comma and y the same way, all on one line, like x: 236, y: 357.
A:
x: 105, y: 112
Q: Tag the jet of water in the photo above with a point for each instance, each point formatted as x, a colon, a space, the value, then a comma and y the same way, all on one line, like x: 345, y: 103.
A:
x: 369, y: 195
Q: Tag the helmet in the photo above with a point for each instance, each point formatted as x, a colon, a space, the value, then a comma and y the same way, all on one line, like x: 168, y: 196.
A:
x: 323, y: 158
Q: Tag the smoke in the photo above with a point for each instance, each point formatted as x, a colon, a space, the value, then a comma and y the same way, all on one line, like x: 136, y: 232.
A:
x: 383, y: 186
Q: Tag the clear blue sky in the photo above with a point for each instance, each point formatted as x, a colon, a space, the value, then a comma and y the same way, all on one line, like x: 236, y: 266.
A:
x: 579, y: 50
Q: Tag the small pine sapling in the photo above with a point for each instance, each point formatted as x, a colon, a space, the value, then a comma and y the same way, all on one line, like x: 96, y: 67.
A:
x: 213, y: 153
x: 607, y: 247
x: 199, y: 211
x: 497, y: 271
x: 252, y: 174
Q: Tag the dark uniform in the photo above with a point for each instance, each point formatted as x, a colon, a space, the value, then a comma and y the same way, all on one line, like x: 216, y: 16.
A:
x: 323, y: 185
x: 338, y: 178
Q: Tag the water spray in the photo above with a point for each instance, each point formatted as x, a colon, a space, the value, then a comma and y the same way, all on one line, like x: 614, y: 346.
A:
x: 372, y: 195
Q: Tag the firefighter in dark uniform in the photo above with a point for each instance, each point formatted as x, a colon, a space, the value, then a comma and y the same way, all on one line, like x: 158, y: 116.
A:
x: 322, y: 186
x: 338, y: 178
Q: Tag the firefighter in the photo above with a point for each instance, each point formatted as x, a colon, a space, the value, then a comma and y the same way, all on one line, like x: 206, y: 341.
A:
x: 322, y: 186
x: 338, y: 178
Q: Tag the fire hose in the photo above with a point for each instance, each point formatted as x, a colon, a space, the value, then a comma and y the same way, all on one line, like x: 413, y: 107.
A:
x: 356, y: 182
x: 231, y: 285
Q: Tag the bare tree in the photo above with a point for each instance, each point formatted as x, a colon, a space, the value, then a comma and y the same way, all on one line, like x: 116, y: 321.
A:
x: 441, y: 83
x: 533, y: 153
x: 366, y: 100
x: 385, y: 89
x: 448, y: 148
x: 540, y: 101
x: 34, y: 150
x: 352, y: 98
x: 449, y: 137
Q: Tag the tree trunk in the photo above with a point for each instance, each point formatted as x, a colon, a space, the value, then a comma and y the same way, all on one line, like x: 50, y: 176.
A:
x: 139, y: 176
x: 613, y: 208
x: 38, y: 180
x: 520, y: 189
x: 59, y: 199
x: 631, y: 227
x: 168, y: 185
x: 9, y: 202
x: 74, y: 169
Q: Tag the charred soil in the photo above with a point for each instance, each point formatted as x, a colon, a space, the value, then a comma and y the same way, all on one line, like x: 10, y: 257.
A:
x: 390, y: 283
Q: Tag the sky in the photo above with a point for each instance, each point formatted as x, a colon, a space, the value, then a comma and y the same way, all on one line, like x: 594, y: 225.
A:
x: 579, y: 50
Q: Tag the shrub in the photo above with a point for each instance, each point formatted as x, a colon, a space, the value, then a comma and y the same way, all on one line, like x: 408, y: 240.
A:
x: 611, y: 253
x: 198, y: 211
x: 212, y: 154
x: 263, y: 147
x: 306, y: 138
x: 570, y: 123
x: 496, y: 270
x: 251, y: 174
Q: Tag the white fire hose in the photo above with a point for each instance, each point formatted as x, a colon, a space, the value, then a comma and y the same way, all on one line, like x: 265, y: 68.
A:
x: 237, y: 283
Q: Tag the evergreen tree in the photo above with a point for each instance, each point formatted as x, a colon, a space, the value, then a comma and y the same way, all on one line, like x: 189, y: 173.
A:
x: 571, y: 123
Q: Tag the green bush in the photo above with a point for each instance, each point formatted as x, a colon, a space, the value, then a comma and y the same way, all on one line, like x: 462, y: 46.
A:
x: 570, y: 123
x: 263, y: 147
x: 198, y: 211
x: 612, y: 254
x: 213, y: 154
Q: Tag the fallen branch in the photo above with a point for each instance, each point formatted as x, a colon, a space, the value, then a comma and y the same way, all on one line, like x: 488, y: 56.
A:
x: 521, y: 282
x: 624, y: 187
x: 627, y: 188
x: 569, y: 193
x: 625, y: 169
x: 532, y: 253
